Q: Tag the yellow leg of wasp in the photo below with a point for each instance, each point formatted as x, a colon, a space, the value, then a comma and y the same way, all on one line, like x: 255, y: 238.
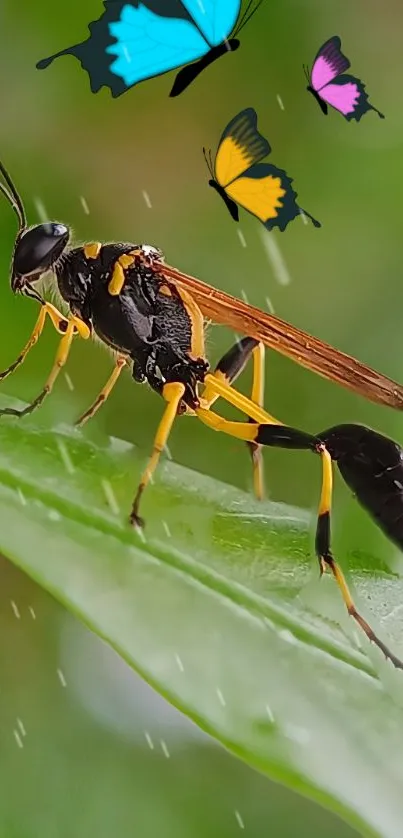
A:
x: 327, y: 561
x: 105, y: 392
x: 257, y: 396
x: 172, y: 394
x: 74, y: 324
x: 227, y: 371
x: 220, y: 389
x: 248, y: 431
x: 60, y: 323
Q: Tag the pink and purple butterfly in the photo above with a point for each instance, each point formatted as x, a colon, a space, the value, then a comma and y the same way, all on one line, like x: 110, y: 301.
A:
x: 330, y: 85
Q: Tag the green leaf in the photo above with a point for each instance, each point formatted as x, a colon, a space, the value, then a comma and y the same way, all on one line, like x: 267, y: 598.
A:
x: 219, y: 607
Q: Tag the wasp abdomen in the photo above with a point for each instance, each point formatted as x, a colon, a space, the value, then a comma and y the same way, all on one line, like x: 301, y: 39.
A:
x: 372, y: 466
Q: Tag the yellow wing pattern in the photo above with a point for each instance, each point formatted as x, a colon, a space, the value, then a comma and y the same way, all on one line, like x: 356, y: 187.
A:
x: 240, y: 176
x: 240, y: 147
x: 261, y: 196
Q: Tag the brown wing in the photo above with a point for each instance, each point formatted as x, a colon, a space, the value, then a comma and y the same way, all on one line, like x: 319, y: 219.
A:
x: 277, y: 334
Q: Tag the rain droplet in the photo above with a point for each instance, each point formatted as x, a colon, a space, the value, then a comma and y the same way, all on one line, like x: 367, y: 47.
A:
x: 15, y: 609
x: 61, y: 678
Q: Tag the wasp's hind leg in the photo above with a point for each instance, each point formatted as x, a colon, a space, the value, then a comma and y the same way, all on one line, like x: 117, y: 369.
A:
x: 277, y: 435
x: 227, y: 370
x: 327, y: 561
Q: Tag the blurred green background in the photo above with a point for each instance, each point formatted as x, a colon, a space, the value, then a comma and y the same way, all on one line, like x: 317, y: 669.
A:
x: 85, y: 766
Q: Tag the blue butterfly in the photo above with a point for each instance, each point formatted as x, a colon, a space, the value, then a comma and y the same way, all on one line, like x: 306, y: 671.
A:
x: 134, y: 41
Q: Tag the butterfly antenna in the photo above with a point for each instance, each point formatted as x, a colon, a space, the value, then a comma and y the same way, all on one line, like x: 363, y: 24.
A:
x: 242, y: 17
x: 211, y: 164
x: 208, y: 162
x: 14, y: 198
x: 247, y: 15
x: 306, y: 71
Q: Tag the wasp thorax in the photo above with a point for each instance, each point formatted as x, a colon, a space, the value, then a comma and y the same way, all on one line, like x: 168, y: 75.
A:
x: 152, y: 252
x: 37, y: 250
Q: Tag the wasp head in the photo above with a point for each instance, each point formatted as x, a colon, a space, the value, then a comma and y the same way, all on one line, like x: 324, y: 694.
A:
x: 36, y: 251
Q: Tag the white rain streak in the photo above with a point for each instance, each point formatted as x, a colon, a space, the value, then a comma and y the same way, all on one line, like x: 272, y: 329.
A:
x: 280, y: 101
x: 149, y: 741
x: 146, y: 199
x: 260, y: 516
x: 241, y: 237
x: 168, y: 452
x: 179, y: 662
x: 84, y: 205
x: 18, y: 739
x: 22, y: 497
x: 304, y: 218
x: 201, y: 7
x: 110, y: 497
x: 166, y: 528
x: 21, y: 726
x: 270, y: 306
x: 269, y: 712
x: 276, y: 258
x: 40, y: 209
x: 221, y: 697
x: 15, y: 609
x: 32, y: 612
x: 61, y: 677
x: 69, y: 381
x: 140, y: 533
x: 164, y: 748
x: 244, y: 297
x: 126, y: 54
x: 239, y: 819
x: 65, y: 457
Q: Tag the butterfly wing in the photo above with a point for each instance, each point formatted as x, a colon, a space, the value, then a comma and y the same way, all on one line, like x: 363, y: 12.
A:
x: 347, y: 95
x: 133, y: 41
x: 240, y: 147
x: 215, y: 18
x: 266, y: 192
x: 328, y: 64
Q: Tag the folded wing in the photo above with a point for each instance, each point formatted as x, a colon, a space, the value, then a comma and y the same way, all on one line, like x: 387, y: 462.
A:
x: 328, y: 64
x: 240, y: 147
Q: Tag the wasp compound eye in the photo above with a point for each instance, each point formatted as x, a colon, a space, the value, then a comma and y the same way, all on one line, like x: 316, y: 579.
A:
x: 37, y: 250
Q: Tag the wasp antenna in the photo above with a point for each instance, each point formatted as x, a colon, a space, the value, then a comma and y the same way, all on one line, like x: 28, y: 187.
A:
x: 14, y: 198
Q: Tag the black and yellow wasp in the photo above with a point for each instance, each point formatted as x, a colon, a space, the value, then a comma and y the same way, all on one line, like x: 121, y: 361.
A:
x: 152, y: 316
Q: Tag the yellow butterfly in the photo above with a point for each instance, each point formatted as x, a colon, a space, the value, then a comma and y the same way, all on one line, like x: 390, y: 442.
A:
x: 240, y: 178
